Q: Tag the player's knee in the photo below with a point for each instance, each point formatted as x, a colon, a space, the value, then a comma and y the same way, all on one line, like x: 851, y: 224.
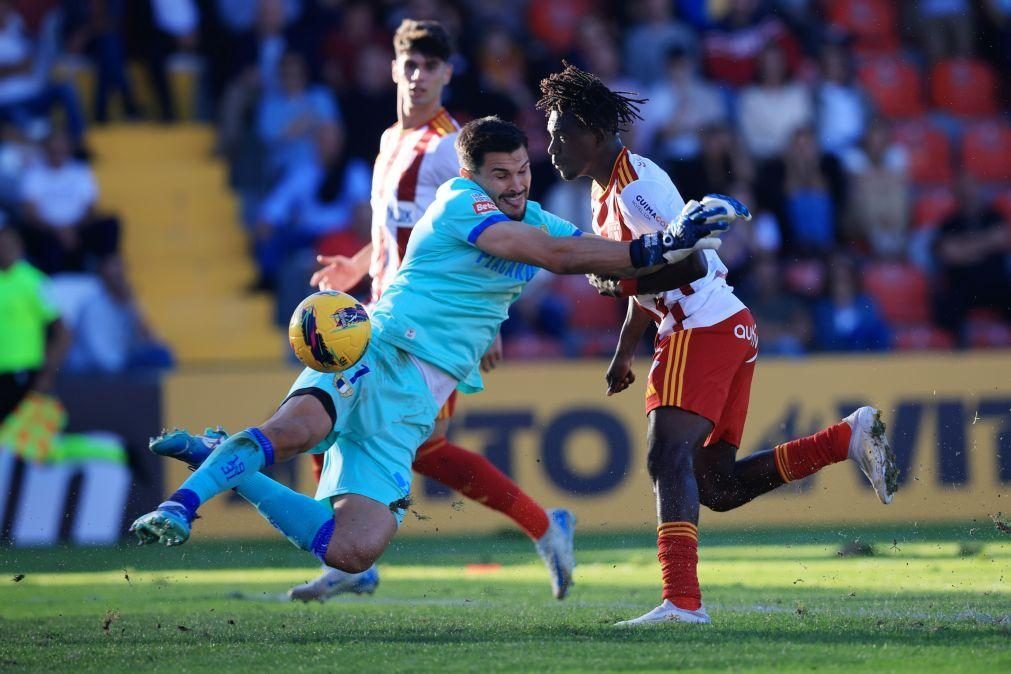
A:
x: 351, y: 558
x: 668, y: 458
x: 716, y: 501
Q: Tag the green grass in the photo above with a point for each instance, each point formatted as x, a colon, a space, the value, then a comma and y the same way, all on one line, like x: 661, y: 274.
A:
x: 926, y: 600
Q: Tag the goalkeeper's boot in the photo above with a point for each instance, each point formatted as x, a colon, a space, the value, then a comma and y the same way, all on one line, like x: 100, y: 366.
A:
x: 193, y: 449
x: 168, y: 525
x: 333, y: 582
x: 668, y: 613
x: 870, y: 450
x: 556, y: 549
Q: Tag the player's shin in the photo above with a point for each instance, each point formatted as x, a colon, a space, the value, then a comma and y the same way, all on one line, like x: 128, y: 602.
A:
x: 304, y: 521
x: 234, y: 461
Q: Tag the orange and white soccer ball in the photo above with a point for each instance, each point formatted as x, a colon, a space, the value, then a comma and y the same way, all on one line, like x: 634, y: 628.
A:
x: 329, y: 331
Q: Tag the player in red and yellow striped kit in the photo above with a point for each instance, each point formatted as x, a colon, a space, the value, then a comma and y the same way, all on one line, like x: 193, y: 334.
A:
x: 699, y: 382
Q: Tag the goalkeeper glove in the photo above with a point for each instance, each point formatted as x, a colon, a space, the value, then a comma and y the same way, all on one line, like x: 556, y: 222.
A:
x: 692, y: 230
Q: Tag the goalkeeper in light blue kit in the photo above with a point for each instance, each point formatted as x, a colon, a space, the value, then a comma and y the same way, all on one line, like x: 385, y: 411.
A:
x: 468, y: 259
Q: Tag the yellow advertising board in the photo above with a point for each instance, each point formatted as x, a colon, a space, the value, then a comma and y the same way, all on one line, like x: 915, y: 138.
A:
x: 551, y: 428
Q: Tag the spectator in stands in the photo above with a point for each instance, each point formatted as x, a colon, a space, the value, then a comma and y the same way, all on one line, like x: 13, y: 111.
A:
x: 345, y: 46
x: 17, y: 153
x: 840, y: 103
x: 291, y: 116
x: 311, y: 200
x: 252, y: 68
x: 555, y: 24
x: 654, y: 33
x: 813, y: 186
x: 946, y: 28
x: 846, y: 319
x: 159, y: 29
x: 782, y: 317
x: 97, y: 27
x: 369, y: 105
x: 733, y: 48
x: 110, y: 333
x: 722, y: 163
x: 679, y: 107
x: 63, y: 230
x: 878, y: 208
x: 972, y: 252
x: 773, y: 108
x: 746, y: 241
x: 26, y: 92
x: 33, y: 339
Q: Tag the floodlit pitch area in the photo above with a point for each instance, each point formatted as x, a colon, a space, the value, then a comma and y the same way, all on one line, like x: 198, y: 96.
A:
x: 932, y: 599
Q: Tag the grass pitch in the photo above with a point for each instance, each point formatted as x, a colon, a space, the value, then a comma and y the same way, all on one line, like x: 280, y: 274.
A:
x: 912, y: 600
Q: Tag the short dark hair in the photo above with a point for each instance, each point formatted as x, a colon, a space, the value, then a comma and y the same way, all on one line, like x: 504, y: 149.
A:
x: 427, y: 37
x: 487, y: 134
x: 589, y: 100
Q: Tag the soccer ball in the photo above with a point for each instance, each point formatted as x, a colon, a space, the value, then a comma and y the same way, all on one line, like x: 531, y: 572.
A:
x: 329, y: 331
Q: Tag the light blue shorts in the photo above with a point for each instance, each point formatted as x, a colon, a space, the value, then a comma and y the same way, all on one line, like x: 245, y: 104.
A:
x: 383, y: 412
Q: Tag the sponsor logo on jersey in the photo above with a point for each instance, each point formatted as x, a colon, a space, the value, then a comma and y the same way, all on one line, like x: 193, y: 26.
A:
x: 647, y: 210
x: 482, y: 203
x: 749, y: 333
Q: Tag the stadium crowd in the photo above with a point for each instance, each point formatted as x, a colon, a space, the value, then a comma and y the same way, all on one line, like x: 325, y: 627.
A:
x: 871, y: 139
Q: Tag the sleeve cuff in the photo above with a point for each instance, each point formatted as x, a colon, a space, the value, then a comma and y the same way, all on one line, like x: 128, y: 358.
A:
x: 485, y: 224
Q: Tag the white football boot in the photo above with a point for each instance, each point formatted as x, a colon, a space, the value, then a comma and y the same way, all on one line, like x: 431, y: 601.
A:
x: 869, y: 449
x: 556, y: 549
x: 333, y: 582
x: 668, y: 613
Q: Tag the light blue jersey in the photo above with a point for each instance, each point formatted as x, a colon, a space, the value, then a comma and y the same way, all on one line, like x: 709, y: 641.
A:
x: 449, y: 298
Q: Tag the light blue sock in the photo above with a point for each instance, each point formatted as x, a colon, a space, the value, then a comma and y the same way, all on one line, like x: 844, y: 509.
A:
x: 306, y: 522
x: 236, y: 459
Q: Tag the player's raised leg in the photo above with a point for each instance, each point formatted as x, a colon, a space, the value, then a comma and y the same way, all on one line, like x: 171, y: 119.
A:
x: 298, y: 425
x: 726, y: 482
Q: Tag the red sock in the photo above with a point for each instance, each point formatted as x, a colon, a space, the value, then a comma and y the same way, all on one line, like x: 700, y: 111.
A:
x: 678, y: 551
x: 475, y: 477
x: 317, y: 466
x: 806, y: 456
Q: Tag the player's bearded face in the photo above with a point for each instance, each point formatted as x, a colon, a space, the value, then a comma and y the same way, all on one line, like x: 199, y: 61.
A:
x: 505, y: 176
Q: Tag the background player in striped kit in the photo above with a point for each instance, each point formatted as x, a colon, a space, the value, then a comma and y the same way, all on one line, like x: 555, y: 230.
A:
x: 416, y: 155
x: 706, y: 347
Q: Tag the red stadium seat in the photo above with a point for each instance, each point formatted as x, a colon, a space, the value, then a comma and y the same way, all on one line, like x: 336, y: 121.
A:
x: 872, y: 23
x: 805, y: 277
x: 1002, y: 202
x: 987, y: 333
x: 922, y: 337
x: 986, y: 151
x: 900, y: 290
x: 598, y: 343
x: 894, y: 85
x: 532, y: 347
x: 929, y: 152
x: 964, y: 87
x: 590, y: 310
x: 932, y: 207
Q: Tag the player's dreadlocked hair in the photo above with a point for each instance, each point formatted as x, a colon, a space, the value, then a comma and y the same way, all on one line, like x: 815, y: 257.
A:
x: 589, y: 100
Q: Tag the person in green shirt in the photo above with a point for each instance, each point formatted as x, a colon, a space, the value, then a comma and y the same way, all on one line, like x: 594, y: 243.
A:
x: 33, y: 339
